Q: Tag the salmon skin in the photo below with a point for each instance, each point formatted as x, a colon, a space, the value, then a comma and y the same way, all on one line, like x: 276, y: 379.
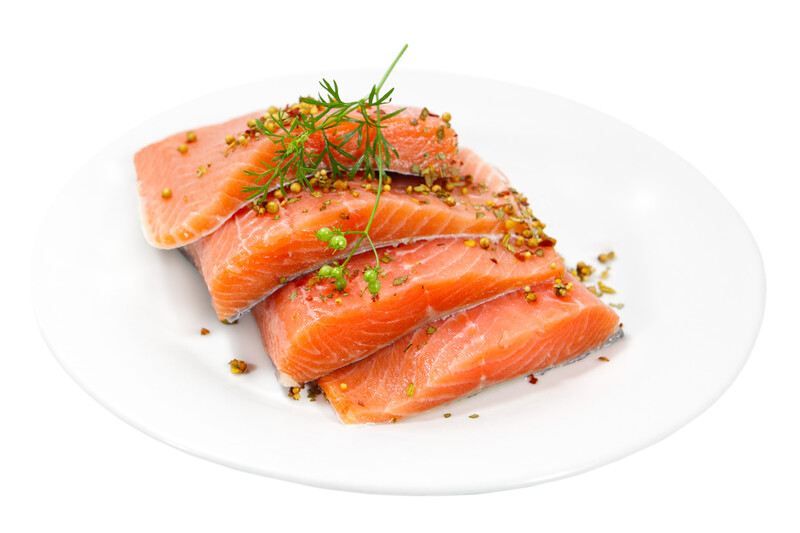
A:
x: 499, y: 340
x: 309, y: 329
x: 251, y: 255
x: 206, y: 181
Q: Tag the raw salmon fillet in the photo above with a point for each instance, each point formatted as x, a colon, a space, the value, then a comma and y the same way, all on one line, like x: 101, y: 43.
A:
x: 252, y: 255
x: 502, y: 339
x: 207, y: 181
x: 309, y: 329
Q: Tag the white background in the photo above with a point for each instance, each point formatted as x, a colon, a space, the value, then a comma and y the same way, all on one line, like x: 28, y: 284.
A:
x: 718, y: 82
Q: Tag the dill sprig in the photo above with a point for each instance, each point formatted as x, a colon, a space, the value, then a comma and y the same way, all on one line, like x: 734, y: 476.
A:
x: 294, y: 161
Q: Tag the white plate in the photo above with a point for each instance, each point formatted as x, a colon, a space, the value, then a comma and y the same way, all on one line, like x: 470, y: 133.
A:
x: 123, y: 318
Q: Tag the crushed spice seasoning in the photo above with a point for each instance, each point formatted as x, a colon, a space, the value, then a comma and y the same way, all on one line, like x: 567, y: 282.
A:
x: 237, y: 366
x: 605, y: 289
x: 583, y: 271
x: 606, y: 257
x: 399, y: 280
x: 560, y: 288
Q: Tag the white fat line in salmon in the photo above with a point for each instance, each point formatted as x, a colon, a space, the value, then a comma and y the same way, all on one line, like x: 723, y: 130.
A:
x: 615, y: 337
x: 286, y: 380
x: 286, y: 184
x: 493, y: 237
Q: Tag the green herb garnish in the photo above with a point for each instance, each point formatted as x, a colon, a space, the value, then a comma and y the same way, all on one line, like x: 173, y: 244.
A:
x: 293, y: 160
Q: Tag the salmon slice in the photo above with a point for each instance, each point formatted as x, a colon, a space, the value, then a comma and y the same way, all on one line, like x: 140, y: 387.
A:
x: 206, y: 182
x: 309, y: 329
x: 499, y: 340
x: 252, y: 255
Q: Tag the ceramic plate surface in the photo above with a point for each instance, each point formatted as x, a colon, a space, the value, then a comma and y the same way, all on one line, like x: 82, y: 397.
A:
x: 123, y: 318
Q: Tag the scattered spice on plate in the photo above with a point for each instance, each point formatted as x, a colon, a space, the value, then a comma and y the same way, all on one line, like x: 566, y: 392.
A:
x: 533, y: 380
x: 204, y: 331
x: 605, y: 288
x: 474, y: 415
x: 603, y: 358
x: 237, y: 366
x: 606, y: 257
x: 294, y: 393
x: 447, y: 415
x: 583, y: 270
